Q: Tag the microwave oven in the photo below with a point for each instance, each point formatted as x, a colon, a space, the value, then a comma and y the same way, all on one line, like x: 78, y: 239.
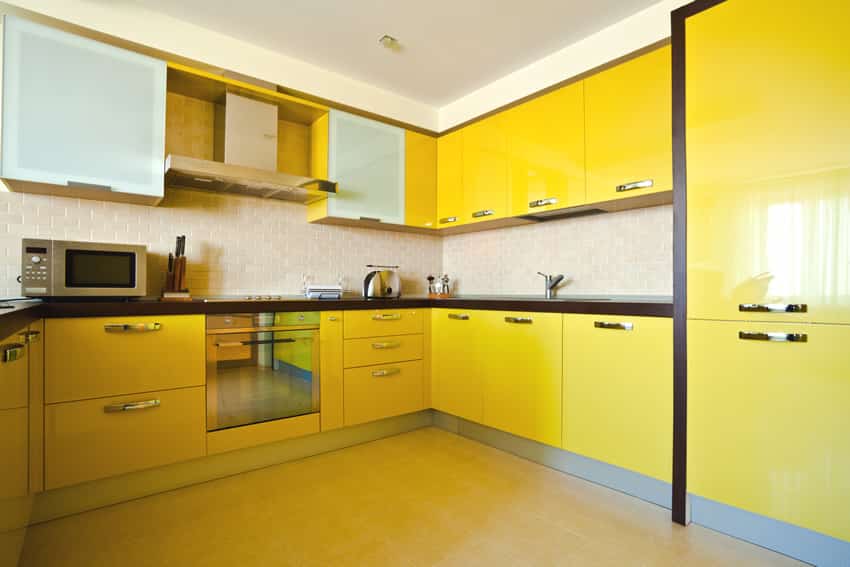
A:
x: 64, y: 268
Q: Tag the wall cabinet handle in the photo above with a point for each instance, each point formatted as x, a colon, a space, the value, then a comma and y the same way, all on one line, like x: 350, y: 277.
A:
x: 132, y: 327
x: 459, y: 316
x: 131, y: 406
x: 774, y: 337
x: 386, y: 317
x: 386, y: 345
x: 519, y: 320
x: 11, y: 352
x: 81, y: 185
x: 634, y: 185
x: 30, y: 336
x: 447, y: 220
x: 484, y: 213
x: 385, y: 372
x: 773, y: 307
x: 543, y: 202
x: 614, y: 326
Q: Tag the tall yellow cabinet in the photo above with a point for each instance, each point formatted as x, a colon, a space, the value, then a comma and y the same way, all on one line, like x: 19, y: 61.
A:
x: 768, y: 173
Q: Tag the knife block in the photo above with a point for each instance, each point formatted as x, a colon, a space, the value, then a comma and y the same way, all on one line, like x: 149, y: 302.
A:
x: 175, y: 282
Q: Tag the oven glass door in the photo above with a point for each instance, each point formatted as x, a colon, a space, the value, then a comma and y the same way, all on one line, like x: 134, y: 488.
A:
x: 260, y: 376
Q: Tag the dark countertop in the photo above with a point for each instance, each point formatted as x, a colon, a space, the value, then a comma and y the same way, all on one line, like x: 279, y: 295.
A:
x: 23, y: 312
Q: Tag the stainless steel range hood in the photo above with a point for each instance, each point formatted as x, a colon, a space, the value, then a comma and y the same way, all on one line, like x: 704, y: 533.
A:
x: 192, y: 173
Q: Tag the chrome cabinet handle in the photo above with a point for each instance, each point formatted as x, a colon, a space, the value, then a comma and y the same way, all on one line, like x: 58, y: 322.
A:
x: 81, y: 185
x: 459, y: 316
x: 774, y: 337
x: 615, y: 326
x: 385, y: 372
x: 484, y: 213
x: 30, y: 336
x: 543, y: 202
x: 373, y: 219
x: 634, y: 185
x: 386, y: 345
x: 131, y: 406
x: 132, y: 327
x: 254, y: 342
x: 11, y: 352
x: 386, y: 317
x: 773, y: 307
x: 519, y: 320
x: 332, y: 318
x: 447, y: 220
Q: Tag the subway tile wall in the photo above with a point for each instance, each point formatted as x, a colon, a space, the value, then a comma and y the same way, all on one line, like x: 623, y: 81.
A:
x: 242, y: 245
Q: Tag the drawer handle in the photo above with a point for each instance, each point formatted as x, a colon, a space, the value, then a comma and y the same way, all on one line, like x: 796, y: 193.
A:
x: 386, y: 317
x: 614, y: 326
x: 773, y: 307
x: 634, y: 185
x: 30, y: 336
x: 132, y: 327
x: 447, y: 220
x: 774, y: 337
x: 385, y: 372
x: 519, y: 320
x: 391, y: 344
x: 11, y: 352
x: 543, y: 202
x: 484, y: 213
x: 131, y: 406
x: 459, y: 316
x: 332, y: 318
x: 254, y: 342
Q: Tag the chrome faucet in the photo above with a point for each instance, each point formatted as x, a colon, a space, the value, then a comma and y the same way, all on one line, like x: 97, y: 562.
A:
x: 552, y: 282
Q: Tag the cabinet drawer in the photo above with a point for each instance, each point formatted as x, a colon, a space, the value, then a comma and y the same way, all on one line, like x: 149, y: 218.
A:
x: 365, y: 352
x: 383, y: 323
x: 14, y: 361
x: 95, y: 439
x: 109, y: 356
x: 376, y: 392
x: 13, y: 453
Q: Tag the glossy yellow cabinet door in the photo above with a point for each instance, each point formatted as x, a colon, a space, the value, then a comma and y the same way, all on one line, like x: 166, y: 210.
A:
x: 629, y: 128
x: 457, y: 351
x: 330, y: 369
x: 14, y: 363
x: 546, y: 141
x: 386, y: 390
x: 420, y: 180
x: 769, y: 162
x: 13, y: 453
x: 521, y: 365
x: 450, y: 180
x: 618, y: 391
x: 485, y: 169
x: 768, y: 420
x: 383, y: 322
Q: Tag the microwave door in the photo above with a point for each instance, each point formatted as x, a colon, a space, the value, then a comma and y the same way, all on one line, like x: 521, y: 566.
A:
x: 88, y: 269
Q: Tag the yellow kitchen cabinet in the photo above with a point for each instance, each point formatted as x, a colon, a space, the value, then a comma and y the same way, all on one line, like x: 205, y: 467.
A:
x: 104, y: 437
x: 420, y: 180
x: 546, y: 141
x: 383, y: 350
x: 91, y: 357
x: 628, y: 113
x: 769, y: 162
x: 521, y: 365
x: 485, y: 169
x: 768, y: 421
x: 618, y: 391
x: 14, y: 455
x: 330, y: 370
x: 386, y: 390
x: 383, y: 322
x: 14, y: 371
x: 457, y: 351
x: 450, y: 180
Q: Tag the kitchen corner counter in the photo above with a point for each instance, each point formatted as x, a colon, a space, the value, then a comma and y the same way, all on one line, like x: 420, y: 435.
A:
x: 17, y: 314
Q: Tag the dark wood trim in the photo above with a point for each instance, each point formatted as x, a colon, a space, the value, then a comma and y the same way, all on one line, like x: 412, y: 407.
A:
x: 680, y: 261
x: 624, y: 308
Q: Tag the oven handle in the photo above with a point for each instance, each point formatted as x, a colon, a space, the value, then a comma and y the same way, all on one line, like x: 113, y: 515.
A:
x: 255, y: 342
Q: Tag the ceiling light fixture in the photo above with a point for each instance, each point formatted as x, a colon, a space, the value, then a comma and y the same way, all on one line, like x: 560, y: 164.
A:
x: 389, y: 42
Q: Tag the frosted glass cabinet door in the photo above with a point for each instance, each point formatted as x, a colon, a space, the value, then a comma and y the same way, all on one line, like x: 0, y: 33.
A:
x: 366, y: 159
x: 76, y: 111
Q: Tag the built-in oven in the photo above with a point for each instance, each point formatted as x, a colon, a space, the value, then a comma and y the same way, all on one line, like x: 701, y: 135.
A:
x: 261, y: 367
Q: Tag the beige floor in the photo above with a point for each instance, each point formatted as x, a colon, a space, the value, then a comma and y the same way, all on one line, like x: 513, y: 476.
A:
x: 422, y: 498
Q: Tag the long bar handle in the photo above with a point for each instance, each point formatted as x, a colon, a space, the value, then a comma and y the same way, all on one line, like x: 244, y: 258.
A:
x: 132, y: 327
x: 131, y: 406
x: 459, y: 316
x: 614, y: 326
x: 386, y: 317
x: 519, y: 320
x: 774, y: 337
x: 386, y: 345
x: 773, y: 307
x: 385, y: 372
x: 543, y: 202
x: 11, y: 352
x: 254, y: 342
x: 30, y: 336
x: 447, y: 220
x: 634, y: 185
x: 81, y: 185
x: 483, y: 213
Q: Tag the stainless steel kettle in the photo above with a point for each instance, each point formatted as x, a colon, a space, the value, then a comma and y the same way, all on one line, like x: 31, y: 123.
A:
x: 383, y: 282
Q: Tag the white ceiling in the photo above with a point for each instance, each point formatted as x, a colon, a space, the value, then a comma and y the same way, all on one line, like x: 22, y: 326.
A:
x: 449, y: 47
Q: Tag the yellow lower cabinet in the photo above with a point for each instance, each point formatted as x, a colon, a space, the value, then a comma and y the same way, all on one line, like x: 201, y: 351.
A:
x: 105, y: 437
x: 618, y: 391
x: 768, y: 421
x: 13, y: 453
x: 376, y: 392
x: 383, y: 322
x: 457, y: 385
x: 521, y: 364
x: 14, y: 371
x: 330, y: 369
x: 381, y: 350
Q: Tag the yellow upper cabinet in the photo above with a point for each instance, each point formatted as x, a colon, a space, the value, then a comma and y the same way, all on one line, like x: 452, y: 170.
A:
x: 485, y: 169
x: 420, y: 180
x: 768, y: 162
x: 450, y: 179
x: 457, y: 350
x: 629, y: 124
x: 546, y: 140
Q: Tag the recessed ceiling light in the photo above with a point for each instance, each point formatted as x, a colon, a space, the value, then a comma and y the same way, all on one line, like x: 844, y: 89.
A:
x: 390, y: 42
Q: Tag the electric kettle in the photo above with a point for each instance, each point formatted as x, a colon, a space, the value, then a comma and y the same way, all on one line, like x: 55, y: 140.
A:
x: 383, y: 282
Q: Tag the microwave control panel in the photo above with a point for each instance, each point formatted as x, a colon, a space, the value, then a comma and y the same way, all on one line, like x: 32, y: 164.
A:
x: 35, y: 268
